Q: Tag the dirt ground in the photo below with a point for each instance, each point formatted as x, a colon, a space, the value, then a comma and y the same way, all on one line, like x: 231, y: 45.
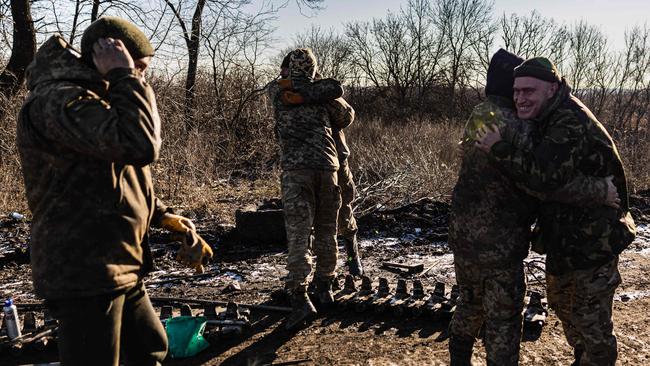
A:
x: 413, y: 234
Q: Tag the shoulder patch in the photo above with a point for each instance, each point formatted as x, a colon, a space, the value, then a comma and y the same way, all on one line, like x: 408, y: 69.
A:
x: 78, y: 103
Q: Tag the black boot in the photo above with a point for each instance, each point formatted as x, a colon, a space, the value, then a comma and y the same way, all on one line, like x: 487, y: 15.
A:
x: 460, y: 351
x: 577, y: 355
x: 302, y: 310
x: 353, y: 259
x: 324, y: 292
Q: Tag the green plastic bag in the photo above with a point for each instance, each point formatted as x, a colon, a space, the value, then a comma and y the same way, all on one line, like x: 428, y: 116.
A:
x: 185, y: 334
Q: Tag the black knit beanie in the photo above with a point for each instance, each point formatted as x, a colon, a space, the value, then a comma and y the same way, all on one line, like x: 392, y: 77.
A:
x: 500, y: 73
x: 540, y: 68
x: 135, y: 41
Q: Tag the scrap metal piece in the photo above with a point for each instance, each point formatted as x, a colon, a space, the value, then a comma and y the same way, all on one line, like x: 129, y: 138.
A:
x: 166, y: 312
x: 536, y: 311
x: 186, y: 310
x: 382, y: 297
x: 434, y: 302
x: 398, y: 301
x: 409, y: 268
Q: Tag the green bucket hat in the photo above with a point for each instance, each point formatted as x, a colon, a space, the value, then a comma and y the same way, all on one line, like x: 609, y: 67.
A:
x: 540, y: 68
x: 133, y: 38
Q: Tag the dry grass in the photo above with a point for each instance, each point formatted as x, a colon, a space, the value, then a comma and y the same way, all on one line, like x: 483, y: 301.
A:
x: 224, y: 164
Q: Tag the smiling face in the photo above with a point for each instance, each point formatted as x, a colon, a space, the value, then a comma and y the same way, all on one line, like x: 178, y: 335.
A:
x: 532, y: 95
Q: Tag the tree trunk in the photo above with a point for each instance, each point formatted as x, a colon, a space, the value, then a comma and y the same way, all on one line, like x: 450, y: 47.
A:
x: 22, y: 50
x: 193, y: 44
x: 94, y: 13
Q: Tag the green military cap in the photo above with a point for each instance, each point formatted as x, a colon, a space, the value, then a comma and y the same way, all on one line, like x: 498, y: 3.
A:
x: 540, y: 68
x: 133, y: 38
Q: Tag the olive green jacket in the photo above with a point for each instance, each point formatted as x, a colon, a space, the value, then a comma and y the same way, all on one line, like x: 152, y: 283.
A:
x: 85, y: 144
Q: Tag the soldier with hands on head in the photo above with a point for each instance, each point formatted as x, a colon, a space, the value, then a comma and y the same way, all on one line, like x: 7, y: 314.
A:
x: 489, y: 227
x: 306, y: 112
x: 87, y: 134
x: 582, y: 244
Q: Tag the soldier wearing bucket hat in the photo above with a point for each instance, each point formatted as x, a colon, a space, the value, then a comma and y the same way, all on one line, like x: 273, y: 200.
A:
x: 582, y: 243
x: 87, y: 134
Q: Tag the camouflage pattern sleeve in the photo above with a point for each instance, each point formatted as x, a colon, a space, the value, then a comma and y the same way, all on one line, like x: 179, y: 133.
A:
x: 583, y: 191
x: 340, y: 112
x: 319, y: 91
x: 549, y: 165
x: 123, y: 127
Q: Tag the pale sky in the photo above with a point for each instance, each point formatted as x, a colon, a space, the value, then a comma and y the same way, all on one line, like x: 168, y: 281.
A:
x: 613, y: 16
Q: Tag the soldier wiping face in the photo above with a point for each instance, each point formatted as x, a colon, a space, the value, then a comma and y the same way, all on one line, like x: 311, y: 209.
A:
x: 302, y: 64
x: 111, y: 32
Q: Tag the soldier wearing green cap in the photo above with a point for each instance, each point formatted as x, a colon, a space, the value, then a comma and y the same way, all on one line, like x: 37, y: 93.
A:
x: 86, y: 134
x: 489, y: 228
x: 582, y: 244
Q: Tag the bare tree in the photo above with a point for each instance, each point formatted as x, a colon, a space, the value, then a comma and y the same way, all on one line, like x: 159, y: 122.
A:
x: 464, y: 24
x: 22, y: 51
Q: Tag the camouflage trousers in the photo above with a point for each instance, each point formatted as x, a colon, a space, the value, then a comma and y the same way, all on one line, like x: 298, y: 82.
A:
x: 311, y: 199
x: 494, y: 296
x: 582, y: 300
x: 347, y: 225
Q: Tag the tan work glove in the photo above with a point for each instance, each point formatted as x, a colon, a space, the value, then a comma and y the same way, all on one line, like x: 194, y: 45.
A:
x: 194, y: 249
x: 289, y: 97
x: 176, y: 223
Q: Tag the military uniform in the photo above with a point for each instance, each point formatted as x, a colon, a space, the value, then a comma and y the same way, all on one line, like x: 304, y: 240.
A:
x: 582, y: 244
x: 347, y: 226
x: 310, y: 191
x: 489, y: 231
x: 85, y: 144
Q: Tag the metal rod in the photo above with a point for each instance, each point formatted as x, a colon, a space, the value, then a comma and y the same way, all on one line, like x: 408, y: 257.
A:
x: 279, y: 309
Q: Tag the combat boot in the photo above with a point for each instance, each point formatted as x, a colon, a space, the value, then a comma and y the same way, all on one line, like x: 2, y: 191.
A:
x: 324, y: 292
x: 302, y: 310
x: 353, y: 259
x: 460, y: 350
x: 577, y: 355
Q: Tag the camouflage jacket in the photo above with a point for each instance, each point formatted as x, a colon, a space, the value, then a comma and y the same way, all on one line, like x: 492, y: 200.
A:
x: 491, y: 215
x: 571, y: 141
x: 85, y: 144
x: 306, y: 131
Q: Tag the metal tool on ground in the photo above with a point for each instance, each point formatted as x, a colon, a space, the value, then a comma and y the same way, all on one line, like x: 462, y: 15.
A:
x: 398, y: 301
x: 364, y: 295
x: 406, y: 268
x: 416, y: 302
x: 448, y: 306
x: 186, y: 310
x: 382, y: 297
x: 349, y: 290
x: 434, y: 302
x: 177, y: 300
x: 536, y: 311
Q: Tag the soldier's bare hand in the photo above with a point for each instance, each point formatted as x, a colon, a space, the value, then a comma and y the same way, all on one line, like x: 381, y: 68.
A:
x: 487, y: 136
x: 612, y: 200
x: 109, y: 54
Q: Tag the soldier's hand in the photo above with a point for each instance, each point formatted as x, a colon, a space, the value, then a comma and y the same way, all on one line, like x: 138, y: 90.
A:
x: 176, y: 223
x: 285, y: 84
x: 194, y: 252
x: 289, y: 97
x: 109, y: 54
x: 487, y: 136
x: 612, y: 199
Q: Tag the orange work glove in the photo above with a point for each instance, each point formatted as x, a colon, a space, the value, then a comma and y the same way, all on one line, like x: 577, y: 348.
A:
x: 285, y: 84
x: 194, y: 252
x: 289, y: 97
